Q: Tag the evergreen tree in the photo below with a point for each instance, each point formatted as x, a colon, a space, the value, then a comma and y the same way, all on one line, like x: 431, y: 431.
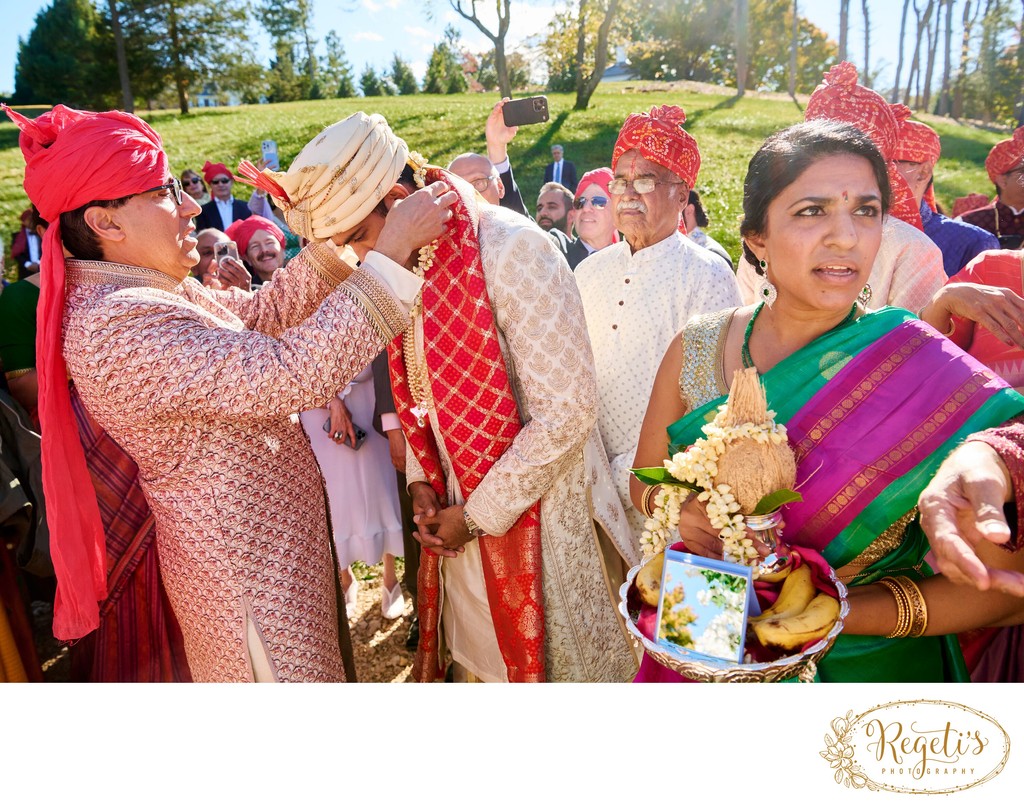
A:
x: 444, y: 71
x: 402, y: 77
x: 371, y: 83
x: 64, y: 60
x: 336, y: 71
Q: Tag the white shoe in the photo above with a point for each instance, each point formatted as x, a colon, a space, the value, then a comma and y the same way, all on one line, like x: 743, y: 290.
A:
x: 351, y: 596
x: 392, y: 603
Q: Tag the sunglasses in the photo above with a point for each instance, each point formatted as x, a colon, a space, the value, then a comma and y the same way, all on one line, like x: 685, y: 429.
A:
x: 596, y: 202
x: 221, y: 181
x: 174, y: 185
x: 642, y: 185
x: 193, y: 181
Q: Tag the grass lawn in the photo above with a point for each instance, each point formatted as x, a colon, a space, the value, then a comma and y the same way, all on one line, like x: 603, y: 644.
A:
x: 728, y: 129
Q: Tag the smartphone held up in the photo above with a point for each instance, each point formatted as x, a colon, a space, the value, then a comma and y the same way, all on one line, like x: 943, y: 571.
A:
x: 223, y: 250
x: 520, y: 111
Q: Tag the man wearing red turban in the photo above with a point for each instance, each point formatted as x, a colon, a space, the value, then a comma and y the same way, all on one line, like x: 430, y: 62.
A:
x: 197, y: 386
x: 908, y: 266
x: 261, y: 244
x: 915, y: 156
x: 1004, y: 217
x: 638, y: 293
x: 223, y: 208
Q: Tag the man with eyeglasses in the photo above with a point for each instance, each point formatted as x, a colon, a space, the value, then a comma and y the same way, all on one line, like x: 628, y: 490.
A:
x: 198, y: 387
x: 223, y: 208
x: 639, y: 293
x: 1005, y: 216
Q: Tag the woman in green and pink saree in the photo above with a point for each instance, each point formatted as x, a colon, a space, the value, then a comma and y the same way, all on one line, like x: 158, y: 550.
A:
x: 873, y: 400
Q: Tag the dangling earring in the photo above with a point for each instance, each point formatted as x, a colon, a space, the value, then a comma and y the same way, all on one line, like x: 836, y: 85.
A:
x: 766, y: 291
x: 864, y: 297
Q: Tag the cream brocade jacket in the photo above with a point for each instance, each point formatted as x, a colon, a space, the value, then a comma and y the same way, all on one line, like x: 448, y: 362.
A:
x: 556, y: 458
x: 199, y: 387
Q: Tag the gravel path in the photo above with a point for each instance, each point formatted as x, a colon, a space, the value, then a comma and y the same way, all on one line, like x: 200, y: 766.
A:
x: 378, y: 644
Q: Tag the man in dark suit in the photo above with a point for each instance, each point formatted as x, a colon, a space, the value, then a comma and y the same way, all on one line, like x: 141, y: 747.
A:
x: 223, y: 208
x: 560, y: 170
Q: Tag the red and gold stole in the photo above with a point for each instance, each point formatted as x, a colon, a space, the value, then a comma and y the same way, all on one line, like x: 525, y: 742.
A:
x: 478, y: 420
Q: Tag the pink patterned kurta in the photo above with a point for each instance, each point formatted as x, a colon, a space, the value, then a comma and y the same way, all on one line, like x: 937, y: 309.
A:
x: 199, y: 388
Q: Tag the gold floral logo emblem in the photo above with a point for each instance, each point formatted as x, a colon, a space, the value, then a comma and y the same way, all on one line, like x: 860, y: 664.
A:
x: 921, y: 746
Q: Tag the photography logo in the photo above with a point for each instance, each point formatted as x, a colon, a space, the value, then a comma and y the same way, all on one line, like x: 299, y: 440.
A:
x: 921, y: 746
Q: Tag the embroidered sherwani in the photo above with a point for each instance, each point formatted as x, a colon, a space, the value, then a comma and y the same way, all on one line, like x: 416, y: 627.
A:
x: 635, y: 304
x: 199, y: 388
x: 906, y: 273
x: 543, y: 340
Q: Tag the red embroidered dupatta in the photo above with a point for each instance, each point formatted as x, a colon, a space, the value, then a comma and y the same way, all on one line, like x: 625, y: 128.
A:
x: 478, y: 420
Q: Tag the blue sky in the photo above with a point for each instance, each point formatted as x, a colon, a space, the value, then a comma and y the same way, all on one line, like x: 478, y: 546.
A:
x: 372, y: 30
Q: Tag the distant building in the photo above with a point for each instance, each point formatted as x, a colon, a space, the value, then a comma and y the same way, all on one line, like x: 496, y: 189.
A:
x: 213, y: 96
x: 621, y: 70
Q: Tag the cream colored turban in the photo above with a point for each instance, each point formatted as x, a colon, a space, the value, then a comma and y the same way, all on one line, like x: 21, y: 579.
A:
x: 338, y: 178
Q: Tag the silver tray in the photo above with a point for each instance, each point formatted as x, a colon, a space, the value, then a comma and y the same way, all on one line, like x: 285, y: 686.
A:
x: 802, y: 666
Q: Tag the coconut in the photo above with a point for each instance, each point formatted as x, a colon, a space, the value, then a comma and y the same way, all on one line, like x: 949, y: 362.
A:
x: 752, y: 469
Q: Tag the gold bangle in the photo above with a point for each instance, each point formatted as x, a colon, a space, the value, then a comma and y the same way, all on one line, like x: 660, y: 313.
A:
x: 645, y: 501
x: 18, y: 373
x: 918, y: 607
x: 903, y: 618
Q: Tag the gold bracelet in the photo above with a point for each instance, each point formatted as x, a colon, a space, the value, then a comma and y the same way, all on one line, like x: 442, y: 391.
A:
x: 903, y: 619
x: 918, y: 607
x: 645, y: 501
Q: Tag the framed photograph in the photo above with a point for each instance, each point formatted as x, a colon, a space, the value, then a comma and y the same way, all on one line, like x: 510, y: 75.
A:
x: 704, y: 606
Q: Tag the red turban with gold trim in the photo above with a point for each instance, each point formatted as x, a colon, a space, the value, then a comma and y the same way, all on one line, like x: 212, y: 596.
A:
x: 840, y: 98
x: 659, y: 137
x: 73, y: 158
x: 241, y: 231
x: 1006, y: 155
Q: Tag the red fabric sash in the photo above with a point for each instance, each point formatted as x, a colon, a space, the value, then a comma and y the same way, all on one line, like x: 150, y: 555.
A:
x: 478, y: 419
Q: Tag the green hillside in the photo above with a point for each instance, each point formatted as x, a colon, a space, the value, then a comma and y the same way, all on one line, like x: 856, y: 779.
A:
x: 728, y: 130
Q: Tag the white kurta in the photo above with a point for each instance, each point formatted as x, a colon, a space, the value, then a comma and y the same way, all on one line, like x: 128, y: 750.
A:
x: 635, y: 306
x: 543, y: 338
x: 906, y: 273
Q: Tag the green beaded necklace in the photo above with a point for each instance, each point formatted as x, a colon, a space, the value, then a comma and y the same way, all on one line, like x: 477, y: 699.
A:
x: 748, y: 361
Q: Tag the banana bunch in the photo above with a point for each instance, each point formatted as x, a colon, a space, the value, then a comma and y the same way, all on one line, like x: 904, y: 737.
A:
x: 799, y: 615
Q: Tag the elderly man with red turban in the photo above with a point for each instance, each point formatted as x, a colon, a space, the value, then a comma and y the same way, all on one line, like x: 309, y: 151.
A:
x: 223, y: 208
x: 260, y: 244
x: 494, y: 386
x: 198, y: 387
x: 908, y: 266
x: 1005, y: 217
x: 915, y: 156
x: 639, y: 293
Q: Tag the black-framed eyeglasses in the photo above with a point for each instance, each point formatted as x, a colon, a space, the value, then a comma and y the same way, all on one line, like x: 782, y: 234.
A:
x: 220, y: 181
x: 481, y: 183
x: 174, y: 185
x: 642, y: 185
x: 598, y: 202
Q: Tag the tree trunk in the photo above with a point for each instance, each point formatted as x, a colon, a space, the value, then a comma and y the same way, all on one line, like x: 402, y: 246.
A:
x: 177, y: 65
x: 585, y: 88
x: 967, y: 20
x: 844, y: 28
x: 794, y: 41
x: 899, y: 64
x: 866, y: 74
x: 1020, y: 68
x: 915, y: 65
x: 945, y: 102
x: 127, y: 99
x: 933, y: 46
x: 497, y: 38
x: 741, y: 46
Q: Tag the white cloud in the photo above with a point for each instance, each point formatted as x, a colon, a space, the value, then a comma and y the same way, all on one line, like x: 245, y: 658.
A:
x: 419, y: 70
x: 368, y: 36
x: 419, y: 33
